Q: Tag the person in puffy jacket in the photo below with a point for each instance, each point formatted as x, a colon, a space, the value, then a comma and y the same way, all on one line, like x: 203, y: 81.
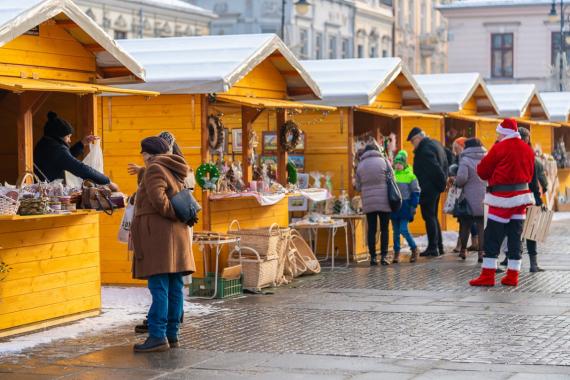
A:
x: 371, y: 183
x: 473, y: 191
x: 410, y: 189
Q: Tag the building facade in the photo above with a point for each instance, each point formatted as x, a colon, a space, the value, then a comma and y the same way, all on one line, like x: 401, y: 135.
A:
x: 123, y: 19
x: 420, y: 36
x: 330, y: 29
x: 506, y: 41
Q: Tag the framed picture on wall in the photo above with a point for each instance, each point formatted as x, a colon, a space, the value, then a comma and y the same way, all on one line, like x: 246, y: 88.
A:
x: 237, y: 143
x: 269, y: 142
x: 298, y: 160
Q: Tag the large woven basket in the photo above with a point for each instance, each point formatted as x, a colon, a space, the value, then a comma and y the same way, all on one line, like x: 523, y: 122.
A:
x: 258, y: 272
x: 265, y: 241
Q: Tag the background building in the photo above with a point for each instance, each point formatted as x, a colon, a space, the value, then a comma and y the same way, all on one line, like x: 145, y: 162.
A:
x: 421, y: 35
x: 507, y: 41
x: 330, y: 28
x: 148, y: 18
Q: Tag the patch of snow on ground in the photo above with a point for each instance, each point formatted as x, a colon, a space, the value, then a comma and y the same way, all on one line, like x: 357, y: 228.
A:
x: 120, y: 306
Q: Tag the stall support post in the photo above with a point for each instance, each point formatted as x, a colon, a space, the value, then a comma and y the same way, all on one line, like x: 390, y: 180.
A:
x: 28, y: 101
x: 350, y: 163
x: 281, y: 115
x: 248, y: 115
x: 204, y: 158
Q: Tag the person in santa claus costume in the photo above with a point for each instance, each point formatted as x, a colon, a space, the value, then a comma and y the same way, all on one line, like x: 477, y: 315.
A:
x: 508, y: 168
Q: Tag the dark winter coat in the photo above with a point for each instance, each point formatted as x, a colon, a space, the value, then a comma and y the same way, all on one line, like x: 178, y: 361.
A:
x: 53, y: 157
x: 431, y: 167
x: 539, y: 181
x: 473, y: 187
x: 371, y: 182
x: 162, y: 244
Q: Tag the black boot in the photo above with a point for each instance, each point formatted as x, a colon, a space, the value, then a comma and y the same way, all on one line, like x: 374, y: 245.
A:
x: 142, y: 328
x: 152, y: 345
x: 534, y: 265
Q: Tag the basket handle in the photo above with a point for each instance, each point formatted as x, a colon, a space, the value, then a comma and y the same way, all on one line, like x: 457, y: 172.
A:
x: 230, y: 228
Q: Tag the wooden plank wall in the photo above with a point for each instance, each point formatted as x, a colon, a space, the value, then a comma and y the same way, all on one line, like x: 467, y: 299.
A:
x: 124, y: 122
x: 55, y: 268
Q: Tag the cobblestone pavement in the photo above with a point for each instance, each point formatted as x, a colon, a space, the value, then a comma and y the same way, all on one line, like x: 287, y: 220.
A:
x: 405, y: 321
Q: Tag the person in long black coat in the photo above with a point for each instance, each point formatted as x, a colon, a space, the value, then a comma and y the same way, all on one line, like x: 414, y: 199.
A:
x: 431, y: 168
x: 54, y: 154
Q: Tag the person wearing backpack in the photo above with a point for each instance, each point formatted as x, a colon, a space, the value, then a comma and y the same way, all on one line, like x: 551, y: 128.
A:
x: 410, y: 190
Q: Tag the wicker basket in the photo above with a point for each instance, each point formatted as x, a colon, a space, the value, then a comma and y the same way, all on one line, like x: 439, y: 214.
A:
x: 264, y: 241
x: 258, y: 272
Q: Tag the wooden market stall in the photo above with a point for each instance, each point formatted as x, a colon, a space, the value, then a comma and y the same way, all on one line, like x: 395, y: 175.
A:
x: 468, y: 108
x: 375, y: 98
x: 246, y: 83
x: 52, y: 57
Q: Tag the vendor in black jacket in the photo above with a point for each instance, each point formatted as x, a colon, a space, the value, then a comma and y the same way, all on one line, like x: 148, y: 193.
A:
x: 431, y: 168
x: 53, y: 154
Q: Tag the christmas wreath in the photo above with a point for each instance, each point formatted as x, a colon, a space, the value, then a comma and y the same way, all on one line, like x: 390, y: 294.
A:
x: 289, y: 136
x: 215, y: 132
x: 207, y: 176
x: 291, y: 173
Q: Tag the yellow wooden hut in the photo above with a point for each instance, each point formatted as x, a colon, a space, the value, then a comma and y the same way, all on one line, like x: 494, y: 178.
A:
x: 249, y: 82
x: 52, y: 57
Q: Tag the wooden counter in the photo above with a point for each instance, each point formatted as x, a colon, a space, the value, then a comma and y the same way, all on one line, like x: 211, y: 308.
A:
x: 55, y: 273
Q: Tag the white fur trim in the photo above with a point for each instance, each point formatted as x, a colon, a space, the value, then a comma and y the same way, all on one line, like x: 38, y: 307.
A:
x: 489, y: 263
x: 510, y: 202
x: 515, y: 265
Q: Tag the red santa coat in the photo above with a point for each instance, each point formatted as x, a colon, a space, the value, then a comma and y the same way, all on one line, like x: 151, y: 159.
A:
x: 509, y: 162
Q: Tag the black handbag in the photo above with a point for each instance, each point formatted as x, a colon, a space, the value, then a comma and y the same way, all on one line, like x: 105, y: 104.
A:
x: 462, y: 208
x: 186, y: 207
x: 394, y: 194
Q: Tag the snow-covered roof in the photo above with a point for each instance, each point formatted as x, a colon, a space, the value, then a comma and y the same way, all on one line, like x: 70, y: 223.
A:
x: 557, y: 104
x: 210, y: 64
x: 492, y: 3
x: 358, y: 81
x: 513, y: 100
x: 176, y: 5
x: 450, y: 92
x: 19, y: 16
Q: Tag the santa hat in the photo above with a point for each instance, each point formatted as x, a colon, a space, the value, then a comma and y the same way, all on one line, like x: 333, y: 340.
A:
x: 509, y: 128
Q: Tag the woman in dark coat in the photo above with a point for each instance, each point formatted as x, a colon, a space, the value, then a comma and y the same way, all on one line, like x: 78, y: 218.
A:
x: 162, y: 244
x: 54, y: 154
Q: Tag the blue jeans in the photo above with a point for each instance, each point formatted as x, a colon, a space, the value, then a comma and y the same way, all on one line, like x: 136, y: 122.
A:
x: 400, y: 227
x: 167, y: 305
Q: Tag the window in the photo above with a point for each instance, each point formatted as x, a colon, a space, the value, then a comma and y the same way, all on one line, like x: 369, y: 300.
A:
x: 502, y: 58
x: 120, y: 35
x: 555, y: 46
x: 319, y: 46
x: 332, y: 47
x: 345, y: 48
x: 373, y: 51
x: 304, y: 41
x: 360, y: 51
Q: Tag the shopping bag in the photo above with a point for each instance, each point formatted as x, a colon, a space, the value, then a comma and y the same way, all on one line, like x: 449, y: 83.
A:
x: 125, y: 227
x: 453, y: 196
x: 537, y: 223
x: 93, y: 159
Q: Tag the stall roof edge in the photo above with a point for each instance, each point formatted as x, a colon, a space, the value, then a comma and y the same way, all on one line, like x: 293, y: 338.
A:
x: 17, y: 18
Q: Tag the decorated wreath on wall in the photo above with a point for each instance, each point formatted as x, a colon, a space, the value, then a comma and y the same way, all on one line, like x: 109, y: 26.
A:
x: 215, y: 132
x: 289, y: 136
x: 207, y: 176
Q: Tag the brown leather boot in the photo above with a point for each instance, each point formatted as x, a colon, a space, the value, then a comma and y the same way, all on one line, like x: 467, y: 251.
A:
x: 415, y: 254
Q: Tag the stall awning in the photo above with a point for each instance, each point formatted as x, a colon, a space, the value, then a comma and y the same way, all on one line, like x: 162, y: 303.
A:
x: 270, y: 103
x: 15, y: 84
x: 395, y: 113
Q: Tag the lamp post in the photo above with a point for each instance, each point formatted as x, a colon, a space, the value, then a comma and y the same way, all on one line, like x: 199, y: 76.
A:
x: 301, y: 6
x: 562, y: 43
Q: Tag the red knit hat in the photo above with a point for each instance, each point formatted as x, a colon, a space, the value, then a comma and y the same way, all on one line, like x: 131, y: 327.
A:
x: 508, y: 127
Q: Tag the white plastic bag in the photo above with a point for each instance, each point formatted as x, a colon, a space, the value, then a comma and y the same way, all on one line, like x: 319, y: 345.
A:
x: 125, y: 227
x: 93, y: 159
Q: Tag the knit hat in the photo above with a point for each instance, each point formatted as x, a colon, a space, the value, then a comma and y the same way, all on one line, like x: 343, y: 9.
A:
x: 414, y: 132
x: 473, y: 142
x: 401, y: 158
x: 154, y: 145
x: 56, y: 127
x: 508, y: 127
